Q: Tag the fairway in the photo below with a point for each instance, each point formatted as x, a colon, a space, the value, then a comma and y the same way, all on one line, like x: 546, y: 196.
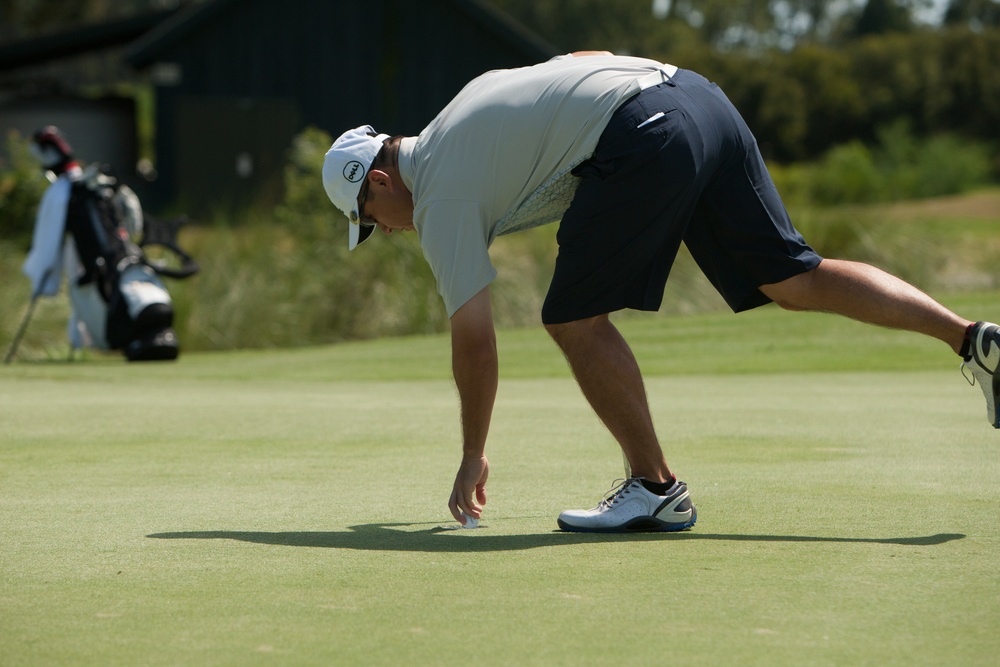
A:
x: 287, y: 507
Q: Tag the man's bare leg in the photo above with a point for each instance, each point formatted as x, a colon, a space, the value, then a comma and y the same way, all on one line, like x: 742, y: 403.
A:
x: 870, y: 295
x: 609, y: 376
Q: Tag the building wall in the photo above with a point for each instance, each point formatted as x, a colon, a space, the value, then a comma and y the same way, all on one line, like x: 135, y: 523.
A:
x: 236, y: 88
x: 101, y: 130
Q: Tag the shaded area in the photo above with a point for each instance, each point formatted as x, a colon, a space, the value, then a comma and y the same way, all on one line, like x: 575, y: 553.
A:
x: 384, y: 537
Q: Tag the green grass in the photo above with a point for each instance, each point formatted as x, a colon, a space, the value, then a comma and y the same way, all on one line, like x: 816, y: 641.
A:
x: 268, y: 285
x: 284, y: 507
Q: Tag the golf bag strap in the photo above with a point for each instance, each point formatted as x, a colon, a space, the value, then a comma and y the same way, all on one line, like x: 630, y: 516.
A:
x: 163, y: 233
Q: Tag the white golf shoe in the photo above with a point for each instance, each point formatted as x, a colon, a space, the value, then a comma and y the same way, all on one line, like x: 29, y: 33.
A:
x: 631, y: 507
x: 984, y: 363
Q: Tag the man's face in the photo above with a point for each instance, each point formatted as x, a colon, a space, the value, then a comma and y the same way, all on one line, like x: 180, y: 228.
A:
x: 385, y: 203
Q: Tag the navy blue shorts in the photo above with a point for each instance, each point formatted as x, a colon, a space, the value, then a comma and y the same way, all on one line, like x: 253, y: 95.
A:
x: 692, y: 174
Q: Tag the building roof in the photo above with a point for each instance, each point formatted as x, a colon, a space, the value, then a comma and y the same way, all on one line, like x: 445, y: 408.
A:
x: 149, y: 34
x: 37, y: 50
x: 149, y: 47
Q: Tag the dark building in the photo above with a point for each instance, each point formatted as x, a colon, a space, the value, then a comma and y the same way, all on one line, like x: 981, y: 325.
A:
x: 235, y: 80
x: 42, y: 80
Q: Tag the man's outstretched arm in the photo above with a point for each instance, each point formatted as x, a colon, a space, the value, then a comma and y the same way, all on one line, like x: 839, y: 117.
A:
x: 474, y: 364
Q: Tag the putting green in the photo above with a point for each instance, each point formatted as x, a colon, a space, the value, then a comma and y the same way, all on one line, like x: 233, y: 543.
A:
x: 286, y: 508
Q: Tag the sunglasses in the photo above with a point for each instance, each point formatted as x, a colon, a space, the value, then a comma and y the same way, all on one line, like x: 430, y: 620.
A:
x: 362, y: 200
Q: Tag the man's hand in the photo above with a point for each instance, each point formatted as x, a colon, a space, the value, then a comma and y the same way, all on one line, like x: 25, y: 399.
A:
x: 474, y: 362
x: 469, y: 492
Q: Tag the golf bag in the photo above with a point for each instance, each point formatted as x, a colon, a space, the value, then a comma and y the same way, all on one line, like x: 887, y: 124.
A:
x: 129, y: 302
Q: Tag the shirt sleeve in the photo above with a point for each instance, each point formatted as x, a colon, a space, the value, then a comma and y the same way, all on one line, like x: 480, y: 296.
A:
x: 455, y: 241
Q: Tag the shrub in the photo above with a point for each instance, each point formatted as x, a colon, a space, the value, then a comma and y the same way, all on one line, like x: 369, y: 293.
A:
x: 21, y: 188
x: 898, y: 167
x: 948, y: 165
x: 847, y: 174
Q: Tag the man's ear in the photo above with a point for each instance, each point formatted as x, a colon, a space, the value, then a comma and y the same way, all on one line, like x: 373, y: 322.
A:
x: 379, y: 178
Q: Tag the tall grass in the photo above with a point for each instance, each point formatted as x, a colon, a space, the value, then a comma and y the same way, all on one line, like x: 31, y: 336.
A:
x: 896, y: 167
x: 284, y: 277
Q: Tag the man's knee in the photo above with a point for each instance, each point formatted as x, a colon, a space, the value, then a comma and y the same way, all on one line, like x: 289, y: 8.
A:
x: 560, y: 332
x: 565, y: 332
x: 788, y: 304
x: 791, y: 293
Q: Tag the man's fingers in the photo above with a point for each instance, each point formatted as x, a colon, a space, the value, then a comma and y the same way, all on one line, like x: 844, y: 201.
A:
x: 461, y: 501
x: 471, y: 507
x: 453, y: 506
x: 468, y: 494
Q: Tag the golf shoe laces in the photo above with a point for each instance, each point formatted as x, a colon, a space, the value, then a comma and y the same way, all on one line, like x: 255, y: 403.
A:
x: 622, y: 487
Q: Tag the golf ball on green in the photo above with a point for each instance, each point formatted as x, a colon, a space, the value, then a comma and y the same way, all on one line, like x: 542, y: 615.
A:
x: 470, y: 522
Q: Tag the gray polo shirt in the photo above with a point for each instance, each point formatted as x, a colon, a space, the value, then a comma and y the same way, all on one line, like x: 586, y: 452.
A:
x: 498, y: 158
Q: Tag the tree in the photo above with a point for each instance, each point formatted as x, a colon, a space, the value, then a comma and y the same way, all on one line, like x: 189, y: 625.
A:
x: 973, y: 13
x: 21, y: 19
x: 882, y: 16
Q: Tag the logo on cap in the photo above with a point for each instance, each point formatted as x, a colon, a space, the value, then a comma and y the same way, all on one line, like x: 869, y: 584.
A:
x: 354, y: 171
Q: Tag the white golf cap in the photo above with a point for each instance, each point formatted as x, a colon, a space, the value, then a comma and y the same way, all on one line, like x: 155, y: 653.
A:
x: 344, y: 169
